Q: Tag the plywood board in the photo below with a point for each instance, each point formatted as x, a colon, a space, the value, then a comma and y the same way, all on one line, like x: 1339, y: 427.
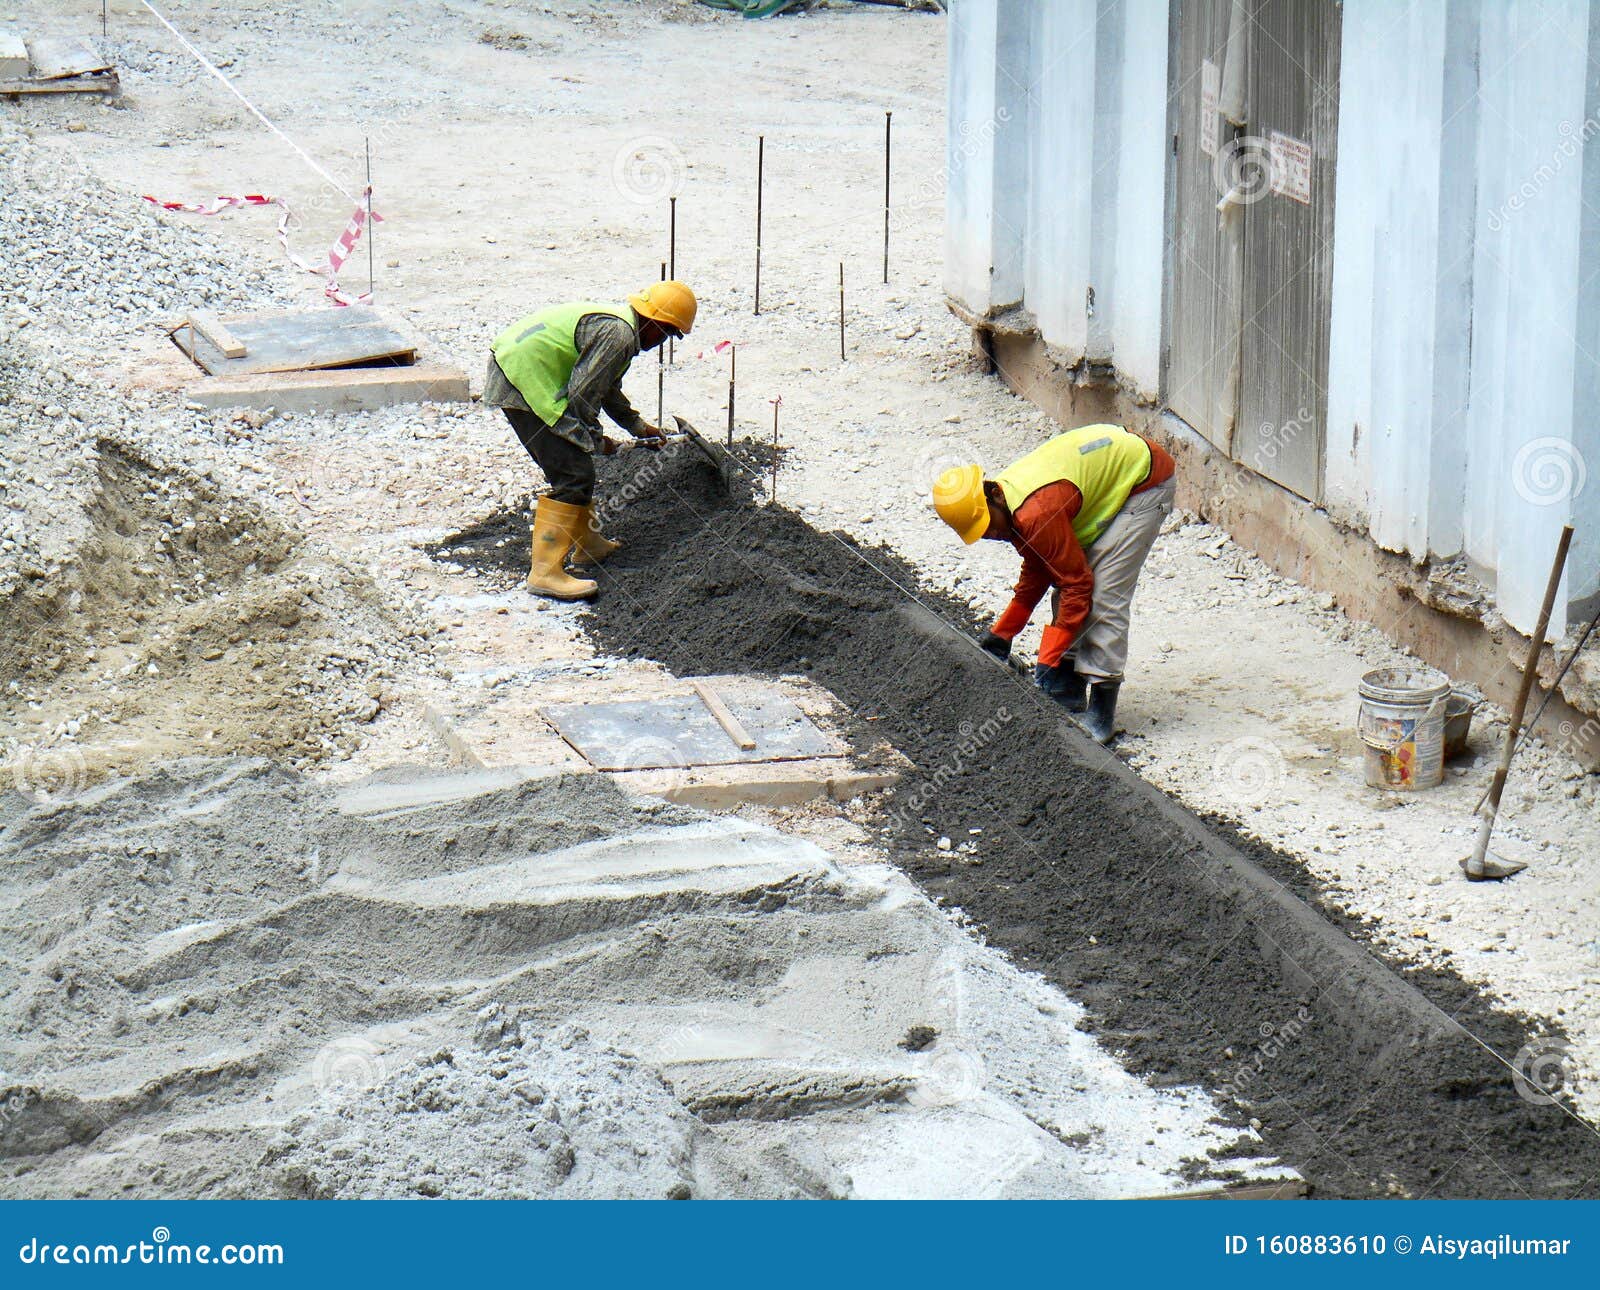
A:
x: 300, y: 342
x: 677, y: 730
x: 55, y: 57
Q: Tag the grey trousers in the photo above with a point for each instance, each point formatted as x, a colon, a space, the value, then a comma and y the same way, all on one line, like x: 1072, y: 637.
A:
x: 1116, y: 556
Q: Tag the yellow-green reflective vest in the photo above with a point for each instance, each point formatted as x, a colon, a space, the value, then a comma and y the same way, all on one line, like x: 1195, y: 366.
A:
x: 538, y: 353
x: 1105, y: 462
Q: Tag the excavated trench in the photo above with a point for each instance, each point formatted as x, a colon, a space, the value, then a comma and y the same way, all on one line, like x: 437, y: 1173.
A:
x: 1202, y: 957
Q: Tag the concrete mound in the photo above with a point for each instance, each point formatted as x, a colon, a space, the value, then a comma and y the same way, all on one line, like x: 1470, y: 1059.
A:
x: 223, y: 980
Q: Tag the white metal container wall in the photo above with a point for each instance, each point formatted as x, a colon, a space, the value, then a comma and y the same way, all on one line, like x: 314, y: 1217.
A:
x: 1067, y: 192
x: 1454, y: 424
x: 1464, y: 356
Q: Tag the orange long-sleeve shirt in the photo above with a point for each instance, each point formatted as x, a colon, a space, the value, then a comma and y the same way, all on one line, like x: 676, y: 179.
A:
x: 1041, y: 531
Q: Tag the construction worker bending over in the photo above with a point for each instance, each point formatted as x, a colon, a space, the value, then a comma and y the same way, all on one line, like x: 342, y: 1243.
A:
x: 553, y: 373
x: 1083, y: 510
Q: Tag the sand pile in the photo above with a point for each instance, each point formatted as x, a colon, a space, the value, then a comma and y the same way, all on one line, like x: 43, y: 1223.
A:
x: 555, y: 1117
x: 224, y: 980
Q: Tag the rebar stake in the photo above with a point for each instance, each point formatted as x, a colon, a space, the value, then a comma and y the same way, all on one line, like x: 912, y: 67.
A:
x: 761, y: 166
x: 672, y: 261
x: 776, y: 404
x: 661, y: 371
x: 841, y: 311
x: 888, y: 122
x: 372, y: 286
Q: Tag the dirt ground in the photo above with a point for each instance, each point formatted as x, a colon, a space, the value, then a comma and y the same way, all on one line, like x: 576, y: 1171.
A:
x: 524, y: 153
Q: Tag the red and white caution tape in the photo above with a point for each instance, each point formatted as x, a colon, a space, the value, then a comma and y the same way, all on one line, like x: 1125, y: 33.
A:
x: 338, y: 253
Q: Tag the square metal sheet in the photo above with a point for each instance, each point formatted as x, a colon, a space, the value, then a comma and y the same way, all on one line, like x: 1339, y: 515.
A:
x: 678, y: 730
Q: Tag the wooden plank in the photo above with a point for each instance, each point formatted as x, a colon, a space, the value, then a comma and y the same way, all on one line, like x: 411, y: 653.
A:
x: 725, y: 719
x: 353, y: 389
x: 305, y: 341
x: 214, y: 330
x: 55, y: 57
x: 13, y: 57
x: 94, y: 83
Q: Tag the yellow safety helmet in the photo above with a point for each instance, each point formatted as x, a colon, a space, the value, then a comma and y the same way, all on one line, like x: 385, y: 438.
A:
x: 667, y: 301
x: 958, y: 497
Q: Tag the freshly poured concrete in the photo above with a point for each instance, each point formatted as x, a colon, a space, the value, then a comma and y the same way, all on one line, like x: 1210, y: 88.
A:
x: 480, y: 985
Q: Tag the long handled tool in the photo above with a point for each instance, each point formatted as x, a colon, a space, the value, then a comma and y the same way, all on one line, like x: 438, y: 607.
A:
x: 719, y: 459
x: 1483, y: 865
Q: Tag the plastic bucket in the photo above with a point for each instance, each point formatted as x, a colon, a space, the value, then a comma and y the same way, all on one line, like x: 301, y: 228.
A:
x: 1457, y: 724
x: 1401, y: 723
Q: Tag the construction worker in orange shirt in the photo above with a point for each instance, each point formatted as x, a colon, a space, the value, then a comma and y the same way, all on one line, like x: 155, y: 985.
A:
x: 1083, y: 510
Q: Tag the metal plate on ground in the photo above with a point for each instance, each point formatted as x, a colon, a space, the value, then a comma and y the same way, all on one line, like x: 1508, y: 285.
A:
x: 677, y: 731
x: 299, y: 342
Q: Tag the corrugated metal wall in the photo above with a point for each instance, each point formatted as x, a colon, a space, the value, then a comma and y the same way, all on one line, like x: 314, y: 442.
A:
x: 1463, y: 342
x: 1293, y: 111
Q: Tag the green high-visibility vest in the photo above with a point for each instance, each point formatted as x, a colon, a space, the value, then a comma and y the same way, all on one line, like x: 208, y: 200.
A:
x: 1105, y: 462
x: 538, y: 353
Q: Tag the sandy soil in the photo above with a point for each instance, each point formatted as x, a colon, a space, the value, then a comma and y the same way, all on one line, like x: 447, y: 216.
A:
x: 518, y: 164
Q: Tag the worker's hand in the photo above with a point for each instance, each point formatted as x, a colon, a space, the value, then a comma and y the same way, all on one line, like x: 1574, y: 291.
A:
x: 609, y: 447
x: 652, y: 437
x: 1000, y: 648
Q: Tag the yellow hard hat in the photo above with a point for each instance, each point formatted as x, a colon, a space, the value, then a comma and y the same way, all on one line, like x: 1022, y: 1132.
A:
x: 667, y: 301
x: 958, y: 497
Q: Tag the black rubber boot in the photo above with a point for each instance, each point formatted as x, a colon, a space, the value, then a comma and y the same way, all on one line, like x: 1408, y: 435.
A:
x: 1100, y: 721
x: 1073, y: 693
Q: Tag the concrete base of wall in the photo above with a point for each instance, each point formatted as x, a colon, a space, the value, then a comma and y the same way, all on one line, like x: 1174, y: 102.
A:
x: 1302, y: 541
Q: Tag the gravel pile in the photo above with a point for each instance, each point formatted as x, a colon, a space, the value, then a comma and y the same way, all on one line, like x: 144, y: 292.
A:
x: 158, y: 595
x: 94, y: 265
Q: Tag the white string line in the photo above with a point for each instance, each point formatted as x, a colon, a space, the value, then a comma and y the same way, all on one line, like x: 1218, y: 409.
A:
x: 238, y: 94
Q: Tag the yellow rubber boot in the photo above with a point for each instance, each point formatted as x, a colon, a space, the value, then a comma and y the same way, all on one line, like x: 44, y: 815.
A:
x: 555, y: 528
x: 592, y: 546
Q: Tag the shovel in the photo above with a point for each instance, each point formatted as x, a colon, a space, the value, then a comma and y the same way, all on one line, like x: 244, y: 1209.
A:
x: 720, y: 461
x: 1483, y: 865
